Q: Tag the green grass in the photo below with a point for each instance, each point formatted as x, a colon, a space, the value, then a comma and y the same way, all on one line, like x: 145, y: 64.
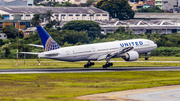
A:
x: 67, y: 86
x: 49, y: 63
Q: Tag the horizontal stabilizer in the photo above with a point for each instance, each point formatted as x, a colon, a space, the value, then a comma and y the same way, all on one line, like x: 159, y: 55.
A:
x: 29, y: 53
x: 41, y: 46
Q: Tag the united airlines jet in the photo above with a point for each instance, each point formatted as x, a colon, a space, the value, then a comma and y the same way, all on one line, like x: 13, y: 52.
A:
x: 129, y: 50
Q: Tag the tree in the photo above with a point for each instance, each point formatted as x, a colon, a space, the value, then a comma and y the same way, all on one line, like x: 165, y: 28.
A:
x: 1, y: 42
x: 67, y: 4
x: 37, y: 1
x: 64, y: 4
x: 12, y: 32
x: 35, y: 20
x: 155, y: 9
x: 7, y: 52
x: 49, y: 3
x: 120, y: 29
x: 90, y: 27
x: 117, y: 8
x: 48, y: 15
x: 1, y: 17
x: 74, y: 37
x: 89, y: 2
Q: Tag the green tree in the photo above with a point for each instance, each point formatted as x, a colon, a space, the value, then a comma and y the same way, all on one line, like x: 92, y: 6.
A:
x: 7, y: 52
x: 74, y: 37
x: 67, y: 4
x: 120, y: 29
x: 48, y: 15
x: 37, y: 1
x: 6, y: 41
x: 117, y: 8
x: 1, y: 17
x: 12, y: 32
x: 155, y: 9
x: 1, y: 42
x: 49, y: 3
x: 36, y: 20
x: 92, y: 28
x: 89, y: 2
x: 64, y: 4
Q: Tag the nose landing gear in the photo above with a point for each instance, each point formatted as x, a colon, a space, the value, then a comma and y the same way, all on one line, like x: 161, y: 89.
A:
x: 146, y: 58
x: 89, y: 64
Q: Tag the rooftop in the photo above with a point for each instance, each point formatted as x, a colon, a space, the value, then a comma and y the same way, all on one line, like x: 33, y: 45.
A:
x: 156, y: 15
x: 42, y: 9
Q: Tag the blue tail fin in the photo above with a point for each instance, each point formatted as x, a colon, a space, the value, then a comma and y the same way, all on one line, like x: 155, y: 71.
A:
x: 48, y: 42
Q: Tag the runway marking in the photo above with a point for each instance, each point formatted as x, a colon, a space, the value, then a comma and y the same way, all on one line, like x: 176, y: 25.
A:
x: 123, y: 97
x: 112, y: 97
x: 164, y: 95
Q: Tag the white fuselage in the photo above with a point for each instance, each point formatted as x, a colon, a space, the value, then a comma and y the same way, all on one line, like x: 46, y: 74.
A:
x: 93, y: 51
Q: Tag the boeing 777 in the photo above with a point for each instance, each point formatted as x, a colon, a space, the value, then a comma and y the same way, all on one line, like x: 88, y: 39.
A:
x: 129, y: 50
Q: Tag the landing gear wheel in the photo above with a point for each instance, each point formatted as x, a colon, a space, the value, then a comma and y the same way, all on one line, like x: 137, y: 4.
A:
x: 105, y: 66
x: 86, y: 66
x: 89, y: 64
x: 111, y: 64
x: 108, y: 65
x: 92, y: 63
x: 146, y: 58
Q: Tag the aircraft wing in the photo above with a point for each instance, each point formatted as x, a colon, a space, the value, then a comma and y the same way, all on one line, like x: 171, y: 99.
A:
x: 41, y: 46
x: 29, y: 53
x: 113, y: 54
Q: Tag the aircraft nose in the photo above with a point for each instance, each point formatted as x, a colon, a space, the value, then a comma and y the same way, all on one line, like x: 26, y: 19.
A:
x: 155, y: 45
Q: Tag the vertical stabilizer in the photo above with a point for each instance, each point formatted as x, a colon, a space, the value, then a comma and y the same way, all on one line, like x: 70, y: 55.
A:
x: 47, y: 41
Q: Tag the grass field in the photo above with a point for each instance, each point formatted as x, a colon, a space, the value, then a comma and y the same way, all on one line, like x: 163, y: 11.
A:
x: 49, y: 63
x: 67, y: 86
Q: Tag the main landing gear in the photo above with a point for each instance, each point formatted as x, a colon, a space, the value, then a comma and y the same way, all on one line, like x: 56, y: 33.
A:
x: 89, y: 64
x: 107, y: 65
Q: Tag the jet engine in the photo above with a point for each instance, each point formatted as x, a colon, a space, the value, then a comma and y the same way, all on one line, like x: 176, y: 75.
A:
x: 131, y: 56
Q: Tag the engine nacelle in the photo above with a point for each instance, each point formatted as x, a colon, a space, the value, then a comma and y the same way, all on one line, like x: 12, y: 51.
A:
x: 131, y: 56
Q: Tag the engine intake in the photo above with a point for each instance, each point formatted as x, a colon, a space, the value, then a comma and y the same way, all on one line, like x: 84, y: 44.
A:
x: 131, y: 56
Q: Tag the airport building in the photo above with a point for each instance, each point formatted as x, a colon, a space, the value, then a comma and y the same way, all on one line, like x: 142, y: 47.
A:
x: 141, y: 27
x: 59, y: 13
x: 171, y: 17
x: 138, y: 26
x: 16, y: 22
x: 16, y: 3
x: 167, y: 5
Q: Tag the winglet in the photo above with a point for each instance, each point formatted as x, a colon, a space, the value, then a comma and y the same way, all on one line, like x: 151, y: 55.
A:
x: 47, y: 41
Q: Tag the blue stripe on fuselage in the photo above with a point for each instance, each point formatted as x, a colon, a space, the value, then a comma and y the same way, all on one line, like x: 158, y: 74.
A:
x: 137, y: 43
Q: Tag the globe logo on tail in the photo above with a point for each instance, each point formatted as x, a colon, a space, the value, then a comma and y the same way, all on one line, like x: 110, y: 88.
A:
x: 51, y: 45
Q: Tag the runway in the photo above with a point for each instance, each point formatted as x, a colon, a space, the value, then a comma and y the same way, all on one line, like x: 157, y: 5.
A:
x: 81, y: 70
x: 168, y: 93
x: 164, y: 93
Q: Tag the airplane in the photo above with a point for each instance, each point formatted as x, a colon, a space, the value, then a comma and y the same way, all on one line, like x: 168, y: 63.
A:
x: 129, y: 50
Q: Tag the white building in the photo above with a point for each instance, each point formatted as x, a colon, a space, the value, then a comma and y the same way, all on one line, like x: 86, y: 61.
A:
x: 71, y: 1
x: 140, y: 26
x: 59, y: 13
x: 16, y: 3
